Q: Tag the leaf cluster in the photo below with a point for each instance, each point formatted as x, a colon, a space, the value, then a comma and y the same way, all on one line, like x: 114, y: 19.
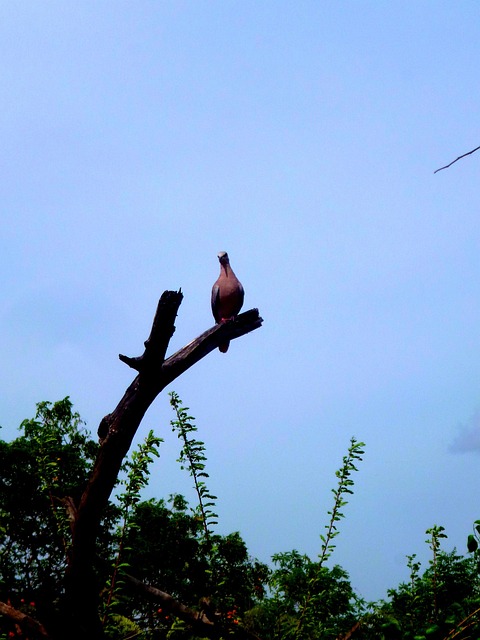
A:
x: 163, y: 543
x: 343, y: 489
x: 192, y: 457
x: 440, y: 602
x: 138, y: 470
x: 49, y: 462
x: 167, y: 544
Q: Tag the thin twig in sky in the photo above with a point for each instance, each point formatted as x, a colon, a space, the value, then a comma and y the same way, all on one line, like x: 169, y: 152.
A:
x: 459, y: 158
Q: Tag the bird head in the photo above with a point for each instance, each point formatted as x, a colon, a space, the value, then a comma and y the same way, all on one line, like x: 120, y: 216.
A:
x: 223, y: 257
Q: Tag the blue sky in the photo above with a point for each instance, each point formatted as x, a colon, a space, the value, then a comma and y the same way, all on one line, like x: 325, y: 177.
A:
x: 139, y: 139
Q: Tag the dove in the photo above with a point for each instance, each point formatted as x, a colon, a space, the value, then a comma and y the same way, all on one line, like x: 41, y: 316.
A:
x: 227, y: 295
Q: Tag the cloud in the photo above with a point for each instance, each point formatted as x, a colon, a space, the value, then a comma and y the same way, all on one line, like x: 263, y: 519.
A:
x: 468, y: 436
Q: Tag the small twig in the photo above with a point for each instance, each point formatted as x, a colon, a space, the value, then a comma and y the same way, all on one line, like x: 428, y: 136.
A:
x: 193, y: 458
x: 463, y: 624
x: 469, y: 153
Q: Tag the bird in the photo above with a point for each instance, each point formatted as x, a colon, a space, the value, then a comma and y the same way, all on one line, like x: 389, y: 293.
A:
x: 227, y: 295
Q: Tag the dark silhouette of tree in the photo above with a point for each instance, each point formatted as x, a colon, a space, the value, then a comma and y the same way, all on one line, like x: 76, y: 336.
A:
x: 85, y: 508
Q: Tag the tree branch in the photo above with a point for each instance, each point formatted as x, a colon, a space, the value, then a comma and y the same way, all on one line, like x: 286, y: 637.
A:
x: 207, y: 342
x: 469, y: 153
x: 199, y: 347
x: 162, y: 330
x: 26, y: 623
x: 349, y: 634
x: 197, y: 619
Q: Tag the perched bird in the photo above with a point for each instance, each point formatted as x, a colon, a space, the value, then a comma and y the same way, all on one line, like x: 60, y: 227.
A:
x: 227, y: 295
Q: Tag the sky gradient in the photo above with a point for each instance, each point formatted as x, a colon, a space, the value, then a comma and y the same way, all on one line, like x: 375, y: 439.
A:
x: 139, y: 139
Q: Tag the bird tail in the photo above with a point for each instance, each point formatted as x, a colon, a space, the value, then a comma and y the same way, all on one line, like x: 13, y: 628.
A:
x: 224, y: 347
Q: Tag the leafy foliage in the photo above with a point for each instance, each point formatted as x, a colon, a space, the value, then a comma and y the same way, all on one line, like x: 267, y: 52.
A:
x: 344, y: 488
x: 192, y: 456
x: 137, y: 478
x: 48, y: 462
x: 44, y: 472
x: 308, y: 599
x: 434, y: 605
x: 167, y: 544
x: 333, y: 606
x: 314, y: 593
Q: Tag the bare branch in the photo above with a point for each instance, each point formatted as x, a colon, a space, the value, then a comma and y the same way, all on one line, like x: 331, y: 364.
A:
x: 207, y: 342
x: 163, y: 328
x: 349, y: 633
x: 28, y: 624
x: 469, y: 153
x: 199, y: 347
x: 198, y: 619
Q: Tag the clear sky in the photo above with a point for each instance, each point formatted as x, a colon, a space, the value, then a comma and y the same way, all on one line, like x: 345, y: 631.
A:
x: 141, y: 138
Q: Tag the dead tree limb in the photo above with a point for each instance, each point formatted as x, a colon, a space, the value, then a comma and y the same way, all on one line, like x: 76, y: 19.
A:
x: 116, y: 432
x: 469, y: 153
x: 350, y: 632
x: 31, y: 627
x: 198, y: 620
x: 194, y: 351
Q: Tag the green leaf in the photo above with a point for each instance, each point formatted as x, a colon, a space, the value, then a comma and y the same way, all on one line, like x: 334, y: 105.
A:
x: 472, y: 544
x: 432, y: 630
